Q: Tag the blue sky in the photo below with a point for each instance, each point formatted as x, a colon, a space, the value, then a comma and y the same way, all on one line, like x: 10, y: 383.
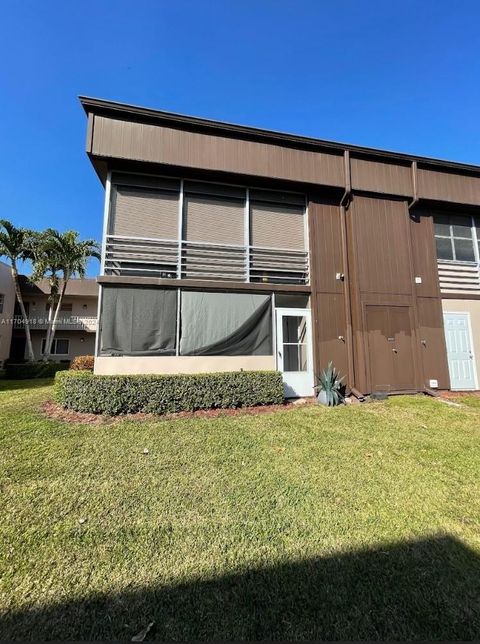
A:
x: 401, y: 75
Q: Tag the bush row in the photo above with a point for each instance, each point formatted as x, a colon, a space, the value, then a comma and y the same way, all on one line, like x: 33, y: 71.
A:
x: 26, y: 370
x: 160, y: 394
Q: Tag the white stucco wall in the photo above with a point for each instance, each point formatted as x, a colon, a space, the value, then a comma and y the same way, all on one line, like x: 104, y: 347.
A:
x: 124, y: 365
x: 472, y: 307
x: 80, y: 344
x: 7, y: 289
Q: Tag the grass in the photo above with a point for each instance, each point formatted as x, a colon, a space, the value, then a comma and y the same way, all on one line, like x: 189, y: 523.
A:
x: 360, y: 522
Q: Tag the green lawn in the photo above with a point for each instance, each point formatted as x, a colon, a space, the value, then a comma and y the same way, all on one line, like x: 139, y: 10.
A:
x: 352, y: 523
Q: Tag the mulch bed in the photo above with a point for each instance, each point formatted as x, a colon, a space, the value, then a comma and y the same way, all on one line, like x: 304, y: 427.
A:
x: 56, y: 412
x: 458, y: 395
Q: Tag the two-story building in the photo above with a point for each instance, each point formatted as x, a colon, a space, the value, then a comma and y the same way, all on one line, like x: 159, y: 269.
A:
x: 7, y: 303
x: 229, y: 247
x: 76, y: 325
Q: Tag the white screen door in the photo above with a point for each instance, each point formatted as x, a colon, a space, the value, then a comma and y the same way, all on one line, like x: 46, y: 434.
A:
x: 294, y: 351
x: 461, y: 363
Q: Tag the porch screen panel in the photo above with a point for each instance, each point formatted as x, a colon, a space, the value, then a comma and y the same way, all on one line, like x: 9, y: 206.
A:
x: 215, y: 220
x: 277, y: 225
x: 138, y: 321
x: 229, y: 324
x: 143, y: 212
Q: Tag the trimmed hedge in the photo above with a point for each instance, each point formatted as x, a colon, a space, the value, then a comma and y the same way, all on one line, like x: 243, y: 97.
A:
x: 161, y: 394
x: 82, y: 363
x: 27, y: 370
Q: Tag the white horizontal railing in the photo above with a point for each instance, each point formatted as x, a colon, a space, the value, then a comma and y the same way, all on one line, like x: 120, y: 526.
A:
x: 459, y: 278
x: 204, y: 261
x: 64, y: 322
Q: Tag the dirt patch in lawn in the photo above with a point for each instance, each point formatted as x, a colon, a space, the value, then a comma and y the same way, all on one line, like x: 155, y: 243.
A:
x: 458, y: 395
x: 56, y: 412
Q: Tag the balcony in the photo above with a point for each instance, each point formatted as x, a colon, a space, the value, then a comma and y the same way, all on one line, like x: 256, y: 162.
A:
x: 64, y: 323
x: 142, y: 256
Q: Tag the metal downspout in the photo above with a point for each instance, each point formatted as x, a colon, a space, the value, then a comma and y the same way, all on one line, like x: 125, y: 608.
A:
x: 344, y: 204
x: 414, y: 184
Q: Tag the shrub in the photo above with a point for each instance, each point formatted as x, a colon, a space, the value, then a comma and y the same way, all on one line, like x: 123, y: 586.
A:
x: 27, y: 370
x: 82, y: 363
x: 160, y: 394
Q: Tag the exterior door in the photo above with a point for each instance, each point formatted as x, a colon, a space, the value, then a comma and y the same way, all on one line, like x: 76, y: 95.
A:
x: 402, y: 349
x: 461, y: 363
x: 294, y: 351
x: 390, y: 348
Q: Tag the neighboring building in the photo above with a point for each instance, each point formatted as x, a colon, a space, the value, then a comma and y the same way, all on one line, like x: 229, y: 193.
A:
x: 229, y: 247
x: 76, y: 326
x: 7, y: 303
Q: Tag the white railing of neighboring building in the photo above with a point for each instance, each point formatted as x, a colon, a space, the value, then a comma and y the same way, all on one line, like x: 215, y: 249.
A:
x: 64, y: 323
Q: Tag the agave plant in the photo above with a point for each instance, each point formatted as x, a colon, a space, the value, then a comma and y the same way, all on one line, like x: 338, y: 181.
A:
x: 329, y: 385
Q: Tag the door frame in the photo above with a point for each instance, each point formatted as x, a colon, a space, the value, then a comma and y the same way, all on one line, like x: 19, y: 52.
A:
x: 402, y: 301
x: 472, y: 348
x: 279, y: 313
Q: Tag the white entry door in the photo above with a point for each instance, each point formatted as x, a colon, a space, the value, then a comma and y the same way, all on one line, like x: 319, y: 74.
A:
x: 294, y: 351
x: 461, y: 362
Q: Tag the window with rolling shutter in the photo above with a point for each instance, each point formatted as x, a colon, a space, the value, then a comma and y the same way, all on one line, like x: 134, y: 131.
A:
x: 214, y: 220
x: 144, y: 212
x: 277, y: 226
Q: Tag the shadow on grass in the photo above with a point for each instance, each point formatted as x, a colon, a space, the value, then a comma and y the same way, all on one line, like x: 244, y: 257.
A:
x: 27, y: 383
x: 427, y: 589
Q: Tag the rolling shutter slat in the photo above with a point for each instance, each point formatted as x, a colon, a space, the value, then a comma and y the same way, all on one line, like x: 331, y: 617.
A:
x: 277, y: 226
x: 214, y: 221
x: 145, y: 213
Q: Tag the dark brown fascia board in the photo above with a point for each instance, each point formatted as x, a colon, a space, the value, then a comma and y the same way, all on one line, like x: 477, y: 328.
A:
x: 114, y: 108
x: 458, y: 296
x: 204, y: 284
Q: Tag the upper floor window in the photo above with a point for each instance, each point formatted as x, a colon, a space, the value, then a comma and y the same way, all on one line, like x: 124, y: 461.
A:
x: 2, y: 301
x: 457, y: 237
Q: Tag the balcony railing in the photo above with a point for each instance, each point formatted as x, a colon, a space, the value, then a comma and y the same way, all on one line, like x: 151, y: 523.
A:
x: 64, y: 323
x: 197, y: 260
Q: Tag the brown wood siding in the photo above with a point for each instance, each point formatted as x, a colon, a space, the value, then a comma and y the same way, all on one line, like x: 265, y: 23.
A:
x: 432, y: 341
x: 381, y: 233
x: 375, y: 176
x: 448, y: 186
x: 159, y: 144
x: 328, y: 294
x: 424, y: 255
x: 387, y: 249
x: 326, y: 257
x: 329, y: 323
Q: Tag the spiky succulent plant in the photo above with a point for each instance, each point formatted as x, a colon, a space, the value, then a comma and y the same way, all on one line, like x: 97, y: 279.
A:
x: 329, y: 385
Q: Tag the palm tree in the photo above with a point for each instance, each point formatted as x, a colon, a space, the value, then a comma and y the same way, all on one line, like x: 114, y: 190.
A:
x: 17, y: 244
x: 61, y: 254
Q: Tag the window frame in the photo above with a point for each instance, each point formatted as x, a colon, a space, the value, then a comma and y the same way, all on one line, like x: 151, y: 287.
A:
x: 54, y: 346
x: 474, y: 223
x: 2, y: 302
x: 216, y: 189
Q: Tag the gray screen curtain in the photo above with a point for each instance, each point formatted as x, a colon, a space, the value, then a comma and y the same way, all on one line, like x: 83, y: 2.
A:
x: 229, y: 324
x: 138, y: 321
